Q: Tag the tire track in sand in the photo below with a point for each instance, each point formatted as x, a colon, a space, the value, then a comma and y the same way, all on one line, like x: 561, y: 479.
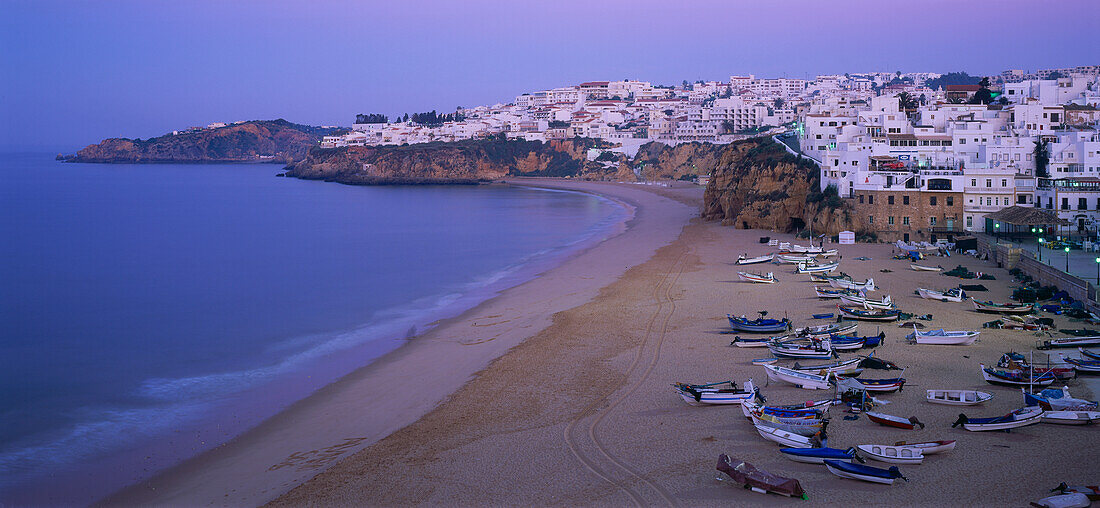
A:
x: 615, y: 469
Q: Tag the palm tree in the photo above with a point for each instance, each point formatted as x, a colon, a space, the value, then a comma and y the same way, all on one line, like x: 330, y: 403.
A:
x: 907, y: 101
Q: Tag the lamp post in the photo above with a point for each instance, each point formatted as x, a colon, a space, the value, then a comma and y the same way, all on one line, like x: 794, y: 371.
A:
x: 1067, y: 259
x: 1040, y: 250
x: 1098, y: 272
x: 997, y: 230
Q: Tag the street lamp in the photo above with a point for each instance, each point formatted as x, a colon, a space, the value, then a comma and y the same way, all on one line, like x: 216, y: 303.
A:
x: 1098, y: 271
x: 997, y: 229
x: 1040, y: 250
x: 1067, y: 259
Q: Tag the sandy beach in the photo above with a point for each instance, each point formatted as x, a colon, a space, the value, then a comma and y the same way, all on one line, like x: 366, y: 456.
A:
x: 557, y: 393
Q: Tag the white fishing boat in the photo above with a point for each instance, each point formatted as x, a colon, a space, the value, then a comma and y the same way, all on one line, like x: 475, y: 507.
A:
x: 957, y: 397
x: 867, y: 285
x: 921, y: 268
x: 794, y: 259
x: 825, y: 331
x: 951, y: 295
x: 725, y: 392
x: 893, y: 454
x: 835, y: 367
x: 797, y: 378
x: 806, y: 428
x: 930, y: 447
x: 788, y: 439
x: 1071, y: 417
x: 857, y: 300
x: 943, y: 337
x: 742, y: 260
x: 1018, y: 418
x: 798, y: 249
x: 827, y: 267
x: 864, y: 473
x: 767, y: 278
x: 828, y: 254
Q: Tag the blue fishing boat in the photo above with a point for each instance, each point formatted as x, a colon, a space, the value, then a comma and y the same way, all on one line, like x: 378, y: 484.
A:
x: 758, y: 325
x: 851, y: 342
x: 818, y: 455
x: 865, y: 473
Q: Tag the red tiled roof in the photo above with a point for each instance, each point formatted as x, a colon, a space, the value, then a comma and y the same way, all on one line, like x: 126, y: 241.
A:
x: 963, y: 88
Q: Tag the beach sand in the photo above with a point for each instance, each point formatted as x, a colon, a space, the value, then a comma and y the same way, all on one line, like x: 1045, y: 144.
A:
x: 576, y: 407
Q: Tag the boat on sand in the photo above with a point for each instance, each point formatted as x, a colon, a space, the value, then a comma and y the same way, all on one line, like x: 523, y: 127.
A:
x: 758, y: 480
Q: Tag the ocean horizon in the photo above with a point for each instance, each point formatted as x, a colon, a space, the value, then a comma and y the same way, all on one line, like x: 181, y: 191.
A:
x: 151, y: 312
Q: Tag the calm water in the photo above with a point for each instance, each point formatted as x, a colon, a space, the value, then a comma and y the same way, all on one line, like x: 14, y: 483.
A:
x: 150, y: 311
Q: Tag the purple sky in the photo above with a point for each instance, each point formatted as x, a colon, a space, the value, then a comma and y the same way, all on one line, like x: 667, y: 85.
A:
x: 72, y: 73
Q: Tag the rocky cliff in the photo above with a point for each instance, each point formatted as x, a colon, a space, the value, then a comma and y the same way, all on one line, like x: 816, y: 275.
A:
x: 461, y: 162
x: 756, y: 184
x: 255, y: 141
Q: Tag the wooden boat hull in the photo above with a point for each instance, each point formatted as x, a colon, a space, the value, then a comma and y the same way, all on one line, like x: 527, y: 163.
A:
x: 1071, y: 417
x: 757, y: 325
x: 930, y: 294
x: 797, y: 378
x: 1076, y: 342
x: 890, y: 420
x: 756, y: 278
x: 1020, y: 418
x: 757, y: 260
x: 920, y: 268
x: 740, y: 342
x: 859, y: 301
x: 957, y: 397
x: 990, y: 307
x: 804, y: 268
x: 758, y: 480
x: 930, y: 447
x: 992, y: 378
x: 853, y: 313
x: 893, y: 454
x: 784, y: 438
x: 818, y: 455
x: 843, y: 470
x: 868, y: 285
x: 955, y: 338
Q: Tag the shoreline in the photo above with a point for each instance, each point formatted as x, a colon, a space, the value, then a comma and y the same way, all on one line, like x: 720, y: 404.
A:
x: 582, y: 414
x: 289, y: 447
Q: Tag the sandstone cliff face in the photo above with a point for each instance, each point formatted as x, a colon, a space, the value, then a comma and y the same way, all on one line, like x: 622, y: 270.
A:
x: 462, y: 161
x: 658, y: 161
x: 757, y: 185
x: 275, y: 140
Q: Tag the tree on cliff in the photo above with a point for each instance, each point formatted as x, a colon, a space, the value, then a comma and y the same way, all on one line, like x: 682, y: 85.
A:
x: 371, y: 118
x: 1042, y: 158
x: 983, y: 95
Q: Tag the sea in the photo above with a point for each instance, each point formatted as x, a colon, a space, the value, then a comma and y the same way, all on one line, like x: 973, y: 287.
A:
x: 151, y: 312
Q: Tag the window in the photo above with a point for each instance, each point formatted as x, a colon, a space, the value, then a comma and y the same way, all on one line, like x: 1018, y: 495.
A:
x: 905, y: 200
x: 889, y: 200
x: 988, y: 201
x: 870, y: 199
x: 1005, y: 201
x: 931, y: 221
x: 1004, y: 182
x: 1098, y: 203
x: 870, y: 219
x: 861, y: 199
x: 950, y: 200
x: 969, y: 221
x: 1065, y: 203
x: 962, y: 141
x: 890, y: 220
x: 1082, y: 204
x: 988, y: 182
x: 905, y: 221
x: 973, y: 182
x: 932, y: 200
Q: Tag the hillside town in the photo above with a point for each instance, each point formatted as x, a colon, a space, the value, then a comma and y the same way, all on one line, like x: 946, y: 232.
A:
x: 925, y: 159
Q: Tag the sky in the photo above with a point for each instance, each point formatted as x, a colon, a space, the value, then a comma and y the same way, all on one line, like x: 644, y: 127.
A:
x: 73, y: 73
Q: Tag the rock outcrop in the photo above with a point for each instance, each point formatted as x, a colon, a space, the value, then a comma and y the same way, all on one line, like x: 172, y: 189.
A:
x: 756, y: 184
x: 461, y: 162
x: 255, y: 141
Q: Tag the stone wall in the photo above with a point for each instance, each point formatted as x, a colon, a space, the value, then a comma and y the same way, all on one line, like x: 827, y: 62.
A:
x: 919, y: 210
x: 1012, y: 257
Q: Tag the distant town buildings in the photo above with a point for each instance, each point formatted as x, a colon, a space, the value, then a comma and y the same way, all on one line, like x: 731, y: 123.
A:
x: 917, y: 163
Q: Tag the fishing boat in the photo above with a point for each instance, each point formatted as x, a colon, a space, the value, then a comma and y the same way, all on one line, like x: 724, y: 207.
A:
x: 1018, y: 418
x: 893, y: 454
x: 797, y: 377
x: 1015, y: 377
x: 758, y: 325
x: 750, y: 342
x: 878, y: 385
x: 1087, y: 366
x: 828, y: 254
x: 869, y: 315
x: 894, y: 421
x: 1071, y: 417
x: 1088, y: 353
x: 867, y: 285
x: 806, y: 427
x: 816, y: 350
x: 827, y: 267
x: 742, y: 260
x: 725, y: 392
x: 930, y: 447
x: 758, y: 480
x: 865, y: 473
x: 818, y: 455
x: 807, y: 410
x: 848, y: 343
x: 867, y: 303
x: 783, y: 437
x: 957, y: 397
x: 825, y: 331
x: 943, y: 337
x: 824, y: 277
x: 798, y: 249
x: 1003, y: 308
x: 1057, y: 399
x: 1070, y: 500
x: 758, y: 278
x: 794, y: 259
x: 921, y: 268
x: 828, y: 292
x: 951, y: 295
x: 1077, y: 342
